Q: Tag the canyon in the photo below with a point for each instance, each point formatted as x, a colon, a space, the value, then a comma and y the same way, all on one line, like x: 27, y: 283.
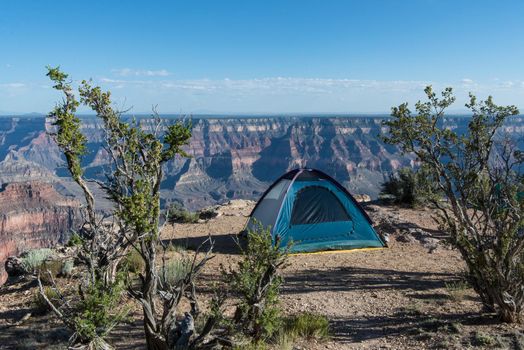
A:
x: 230, y: 158
x: 33, y: 215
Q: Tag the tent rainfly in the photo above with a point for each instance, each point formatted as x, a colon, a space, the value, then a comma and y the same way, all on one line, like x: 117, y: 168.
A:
x: 315, y: 212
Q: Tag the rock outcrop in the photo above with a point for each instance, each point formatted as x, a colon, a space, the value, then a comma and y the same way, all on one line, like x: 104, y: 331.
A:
x: 33, y: 215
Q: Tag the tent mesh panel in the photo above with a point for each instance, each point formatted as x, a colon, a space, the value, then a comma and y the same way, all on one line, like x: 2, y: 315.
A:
x: 315, y: 204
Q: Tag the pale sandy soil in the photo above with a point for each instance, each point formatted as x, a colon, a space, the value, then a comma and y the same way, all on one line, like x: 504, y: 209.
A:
x: 393, y: 298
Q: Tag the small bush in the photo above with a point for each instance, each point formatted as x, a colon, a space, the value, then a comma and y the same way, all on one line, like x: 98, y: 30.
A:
x: 454, y: 327
x: 75, y: 240
x: 67, y: 268
x: 99, y: 310
x: 134, y: 262
x: 483, y: 339
x: 308, y: 325
x: 174, y: 271
x: 257, y: 282
x: 50, y: 269
x: 40, y: 305
x: 178, y: 214
x: 207, y: 214
x: 478, y: 174
x: 33, y: 259
x: 406, y: 187
x: 174, y: 248
x: 457, y: 290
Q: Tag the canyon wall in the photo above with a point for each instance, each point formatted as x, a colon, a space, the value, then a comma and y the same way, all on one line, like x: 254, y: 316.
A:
x: 33, y: 215
x: 230, y: 158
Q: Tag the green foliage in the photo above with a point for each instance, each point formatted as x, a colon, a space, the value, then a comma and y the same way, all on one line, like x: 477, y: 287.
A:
x: 134, y: 262
x: 478, y: 175
x: 308, y: 325
x: 407, y: 187
x: 68, y: 136
x: 75, y: 240
x: 39, y: 303
x: 174, y: 271
x: 178, y: 214
x: 176, y: 136
x: 49, y: 269
x: 67, y: 268
x: 33, y: 259
x: 457, y: 290
x: 257, y: 282
x: 99, y: 310
x: 137, y: 155
x: 483, y: 339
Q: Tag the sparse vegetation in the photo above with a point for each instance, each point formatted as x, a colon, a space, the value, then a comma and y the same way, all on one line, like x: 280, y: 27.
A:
x: 406, y: 187
x: 134, y: 262
x: 478, y: 175
x: 207, y: 214
x: 33, y: 259
x: 307, y: 325
x: 483, y: 339
x: 413, y: 309
x: 67, y: 268
x: 457, y: 290
x: 174, y: 270
x: 174, y: 248
x: 49, y: 270
x: 98, y: 312
x: 257, y: 282
x: 137, y: 158
x: 178, y: 214
x: 39, y: 303
x: 75, y: 240
x: 454, y: 327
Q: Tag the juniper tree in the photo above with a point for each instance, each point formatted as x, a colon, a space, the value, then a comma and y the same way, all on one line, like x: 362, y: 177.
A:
x: 257, y: 282
x: 479, y: 175
x: 137, y: 154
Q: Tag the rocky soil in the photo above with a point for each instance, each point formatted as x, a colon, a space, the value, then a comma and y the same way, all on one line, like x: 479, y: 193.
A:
x: 406, y: 296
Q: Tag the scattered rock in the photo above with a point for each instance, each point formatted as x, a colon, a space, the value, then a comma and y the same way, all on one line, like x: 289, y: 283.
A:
x: 430, y: 243
x: 14, y: 267
x: 362, y: 198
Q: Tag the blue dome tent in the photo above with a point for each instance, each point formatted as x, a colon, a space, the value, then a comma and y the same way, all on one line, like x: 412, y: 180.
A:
x: 314, y: 211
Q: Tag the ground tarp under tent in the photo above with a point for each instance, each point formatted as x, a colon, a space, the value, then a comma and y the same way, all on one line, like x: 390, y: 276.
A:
x: 315, y: 212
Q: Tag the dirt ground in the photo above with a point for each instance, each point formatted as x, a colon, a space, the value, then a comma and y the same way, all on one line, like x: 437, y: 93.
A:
x: 406, y: 296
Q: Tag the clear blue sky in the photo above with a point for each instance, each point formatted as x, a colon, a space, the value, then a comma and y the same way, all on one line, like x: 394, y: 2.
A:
x: 262, y: 56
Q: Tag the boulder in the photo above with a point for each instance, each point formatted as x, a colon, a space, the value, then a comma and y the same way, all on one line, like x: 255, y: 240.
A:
x: 362, y: 198
x: 14, y: 267
x: 208, y: 213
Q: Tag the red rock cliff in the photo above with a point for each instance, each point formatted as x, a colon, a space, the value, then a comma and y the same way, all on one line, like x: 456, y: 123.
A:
x: 33, y: 215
